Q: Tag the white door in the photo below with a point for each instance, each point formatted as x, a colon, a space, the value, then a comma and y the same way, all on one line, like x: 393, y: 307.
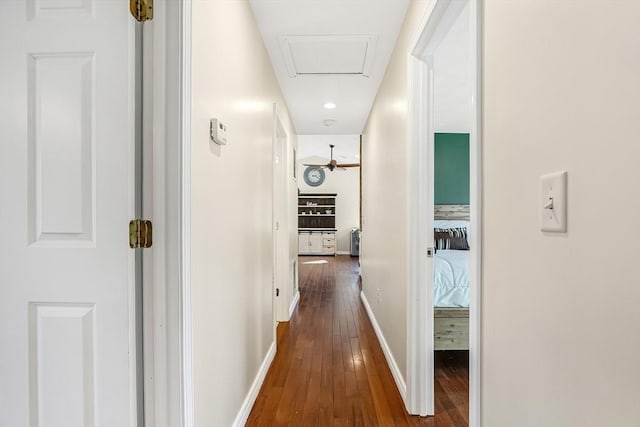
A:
x: 281, y: 234
x: 67, y: 117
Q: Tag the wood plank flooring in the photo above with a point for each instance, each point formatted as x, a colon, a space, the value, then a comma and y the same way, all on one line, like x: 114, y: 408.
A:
x: 330, y: 370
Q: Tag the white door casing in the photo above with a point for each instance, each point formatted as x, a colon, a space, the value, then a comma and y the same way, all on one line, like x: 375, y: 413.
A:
x: 67, y: 138
x: 420, y: 399
x: 280, y: 219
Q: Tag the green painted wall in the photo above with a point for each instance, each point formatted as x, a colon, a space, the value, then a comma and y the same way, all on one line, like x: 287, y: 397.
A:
x: 451, y: 169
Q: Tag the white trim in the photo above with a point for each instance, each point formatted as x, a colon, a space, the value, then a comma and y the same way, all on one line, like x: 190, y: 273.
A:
x: 153, y: 277
x: 247, y: 405
x: 476, y: 201
x: 276, y: 299
x: 134, y: 171
x: 187, y: 384
x: 393, y: 366
x: 343, y: 253
x: 434, y: 26
x: 285, y: 42
x: 437, y: 21
x: 169, y: 376
x: 420, y: 374
x: 294, y: 303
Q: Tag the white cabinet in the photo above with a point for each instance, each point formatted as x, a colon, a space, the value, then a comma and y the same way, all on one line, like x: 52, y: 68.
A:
x: 329, y: 242
x: 303, y: 242
x: 317, y: 243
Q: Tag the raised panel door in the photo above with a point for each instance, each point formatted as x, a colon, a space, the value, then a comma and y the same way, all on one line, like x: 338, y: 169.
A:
x: 67, y: 138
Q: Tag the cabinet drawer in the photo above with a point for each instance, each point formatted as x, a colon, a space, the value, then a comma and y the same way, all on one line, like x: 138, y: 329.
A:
x: 329, y: 241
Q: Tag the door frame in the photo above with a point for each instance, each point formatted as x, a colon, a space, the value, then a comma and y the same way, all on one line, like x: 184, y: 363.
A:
x: 420, y: 370
x: 168, y: 349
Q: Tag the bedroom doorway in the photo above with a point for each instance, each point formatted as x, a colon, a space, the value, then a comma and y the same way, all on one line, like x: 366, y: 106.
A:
x: 445, y: 208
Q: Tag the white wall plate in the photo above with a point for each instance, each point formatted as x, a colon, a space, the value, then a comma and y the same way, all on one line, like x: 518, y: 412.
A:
x: 553, y: 202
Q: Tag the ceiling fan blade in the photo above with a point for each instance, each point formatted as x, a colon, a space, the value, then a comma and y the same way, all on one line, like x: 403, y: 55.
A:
x: 348, y: 165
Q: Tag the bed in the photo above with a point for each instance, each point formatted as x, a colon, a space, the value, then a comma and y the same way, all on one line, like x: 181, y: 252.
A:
x: 451, y: 300
x: 451, y: 284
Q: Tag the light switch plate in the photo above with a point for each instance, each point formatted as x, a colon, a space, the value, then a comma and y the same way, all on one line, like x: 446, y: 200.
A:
x: 553, y: 202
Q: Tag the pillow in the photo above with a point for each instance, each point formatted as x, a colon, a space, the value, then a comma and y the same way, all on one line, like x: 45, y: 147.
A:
x: 450, y: 238
x: 454, y: 223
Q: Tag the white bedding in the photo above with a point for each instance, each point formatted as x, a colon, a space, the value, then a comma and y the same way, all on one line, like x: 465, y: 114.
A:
x: 451, y: 284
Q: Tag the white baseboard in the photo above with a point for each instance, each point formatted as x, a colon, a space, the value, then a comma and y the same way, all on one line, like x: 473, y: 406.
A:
x: 247, y: 405
x: 343, y: 253
x: 393, y: 366
x: 292, y: 307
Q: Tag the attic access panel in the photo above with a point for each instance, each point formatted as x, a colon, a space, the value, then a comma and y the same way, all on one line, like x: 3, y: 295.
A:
x: 328, y: 55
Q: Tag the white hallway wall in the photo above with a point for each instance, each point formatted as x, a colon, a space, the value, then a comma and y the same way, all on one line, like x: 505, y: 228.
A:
x: 346, y: 183
x: 383, y: 255
x: 231, y: 209
x: 561, y: 331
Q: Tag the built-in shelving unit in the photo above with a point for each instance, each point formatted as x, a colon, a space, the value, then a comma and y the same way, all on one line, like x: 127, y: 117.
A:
x: 317, y: 223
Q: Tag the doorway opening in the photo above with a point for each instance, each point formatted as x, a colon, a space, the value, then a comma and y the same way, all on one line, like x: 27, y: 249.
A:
x: 328, y: 211
x: 444, y: 287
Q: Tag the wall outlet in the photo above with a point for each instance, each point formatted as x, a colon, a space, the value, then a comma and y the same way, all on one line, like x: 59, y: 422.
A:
x: 378, y: 296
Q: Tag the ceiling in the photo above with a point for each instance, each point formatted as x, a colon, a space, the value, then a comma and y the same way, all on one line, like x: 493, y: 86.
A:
x: 452, y: 78
x: 346, y: 150
x: 338, y: 51
x: 329, y: 51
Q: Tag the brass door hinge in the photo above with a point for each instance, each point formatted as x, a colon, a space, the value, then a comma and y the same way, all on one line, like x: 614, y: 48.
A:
x: 142, y: 10
x: 140, y: 234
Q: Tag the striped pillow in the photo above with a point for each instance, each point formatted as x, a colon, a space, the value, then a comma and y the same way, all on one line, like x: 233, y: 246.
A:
x: 451, y: 238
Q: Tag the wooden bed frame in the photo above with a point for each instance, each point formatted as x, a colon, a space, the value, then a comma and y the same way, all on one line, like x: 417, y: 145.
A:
x: 450, y: 328
x: 451, y: 325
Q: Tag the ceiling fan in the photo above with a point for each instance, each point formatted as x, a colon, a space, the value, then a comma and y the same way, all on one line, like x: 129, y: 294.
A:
x: 334, y: 164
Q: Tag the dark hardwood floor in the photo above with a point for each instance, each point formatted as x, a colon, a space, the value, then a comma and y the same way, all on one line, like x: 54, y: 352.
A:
x: 329, y: 369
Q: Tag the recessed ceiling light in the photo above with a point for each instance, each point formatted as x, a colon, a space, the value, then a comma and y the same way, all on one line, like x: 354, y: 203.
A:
x: 329, y: 105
